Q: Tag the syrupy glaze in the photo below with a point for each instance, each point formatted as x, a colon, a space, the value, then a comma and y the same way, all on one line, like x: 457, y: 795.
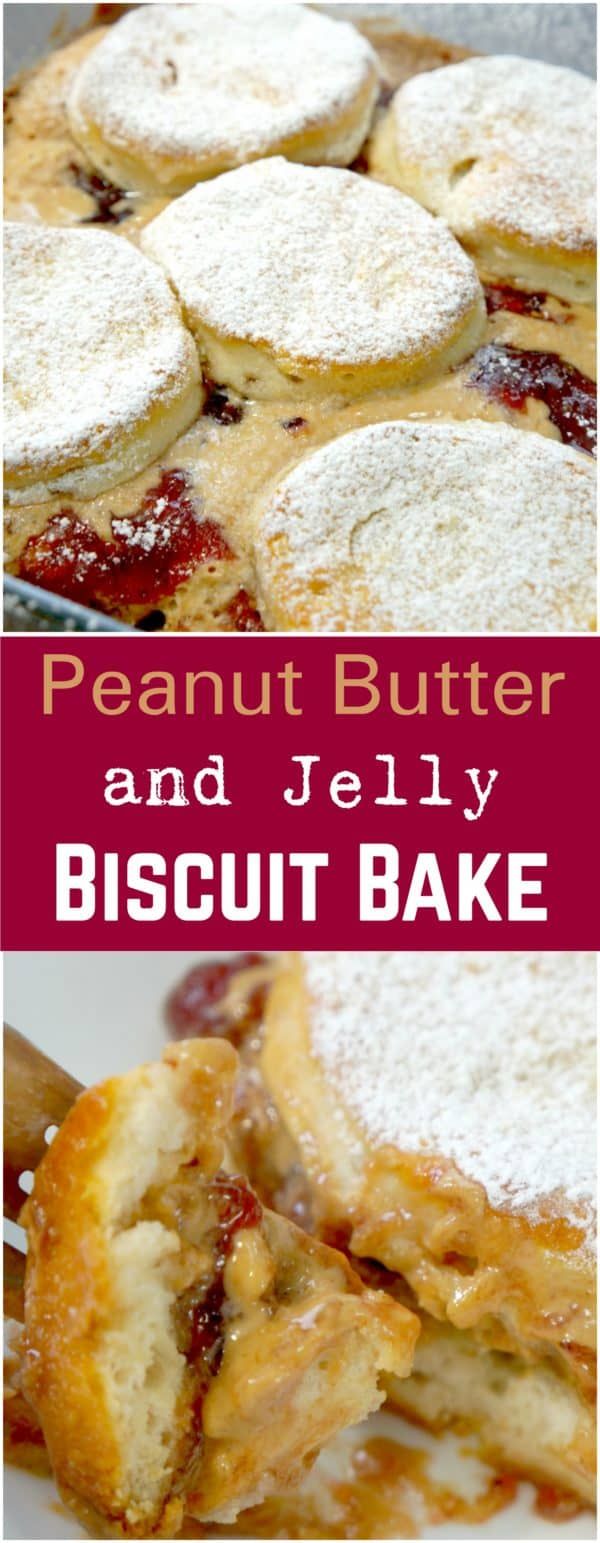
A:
x: 384, y: 1490
x: 235, y: 450
x: 377, y: 1487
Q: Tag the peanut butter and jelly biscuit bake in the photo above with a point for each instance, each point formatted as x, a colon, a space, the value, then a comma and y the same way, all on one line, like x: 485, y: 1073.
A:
x: 297, y: 257
x: 186, y: 1350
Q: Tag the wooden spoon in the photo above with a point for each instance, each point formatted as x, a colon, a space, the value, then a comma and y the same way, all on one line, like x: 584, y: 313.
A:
x: 37, y: 1095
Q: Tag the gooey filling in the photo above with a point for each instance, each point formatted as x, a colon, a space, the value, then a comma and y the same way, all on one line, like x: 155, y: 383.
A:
x: 209, y: 1217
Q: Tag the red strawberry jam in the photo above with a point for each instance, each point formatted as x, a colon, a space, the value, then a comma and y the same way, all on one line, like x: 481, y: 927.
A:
x: 510, y: 375
x: 197, y: 1005
x: 201, y: 1326
x: 243, y: 615
x: 501, y: 297
x: 149, y: 555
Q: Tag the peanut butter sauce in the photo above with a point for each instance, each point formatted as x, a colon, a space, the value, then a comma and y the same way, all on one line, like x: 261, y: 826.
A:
x: 381, y: 1489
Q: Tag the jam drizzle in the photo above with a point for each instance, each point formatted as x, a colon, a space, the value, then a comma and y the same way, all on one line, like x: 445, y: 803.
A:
x: 197, y: 1006
x: 106, y: 196
x: 150, y: 554
x: 509, y: 375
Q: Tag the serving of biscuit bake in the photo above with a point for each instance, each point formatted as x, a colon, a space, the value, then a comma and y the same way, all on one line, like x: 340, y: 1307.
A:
x: 351, y: 1178
x: 436, y: 1118
x: 300, y: 327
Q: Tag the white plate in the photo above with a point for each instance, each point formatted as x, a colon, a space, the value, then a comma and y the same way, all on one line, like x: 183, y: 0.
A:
x: 101, y: 1013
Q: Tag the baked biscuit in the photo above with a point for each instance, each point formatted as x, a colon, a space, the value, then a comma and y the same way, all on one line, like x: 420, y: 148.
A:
x: 500, y: 523
x: 177, y: 93
x: 184, y: 1348
x: 444, y: 1108
x: 100, y: 372
x: 528, y: 1417
x: 337, y: 285
x: 504, y: 149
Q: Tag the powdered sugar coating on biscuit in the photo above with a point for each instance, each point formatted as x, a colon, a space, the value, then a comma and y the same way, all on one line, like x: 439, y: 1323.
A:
x: 231, y: 81
x: 485, y: 1059
x: 94, y: 341
x: 504, y: 142
x: 428, y: 527
x: 315, y: 264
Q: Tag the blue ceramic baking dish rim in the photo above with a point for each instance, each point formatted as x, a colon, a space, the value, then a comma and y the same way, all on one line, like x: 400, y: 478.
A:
x: 58, y: 613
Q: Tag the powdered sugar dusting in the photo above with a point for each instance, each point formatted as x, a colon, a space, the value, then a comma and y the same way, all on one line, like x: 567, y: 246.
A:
x: 93, y: 339
x: 327, y: 266
x: 529, y: 129
x: 487, y: 1059
x: 229, y: 80
x: 432, y: 527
